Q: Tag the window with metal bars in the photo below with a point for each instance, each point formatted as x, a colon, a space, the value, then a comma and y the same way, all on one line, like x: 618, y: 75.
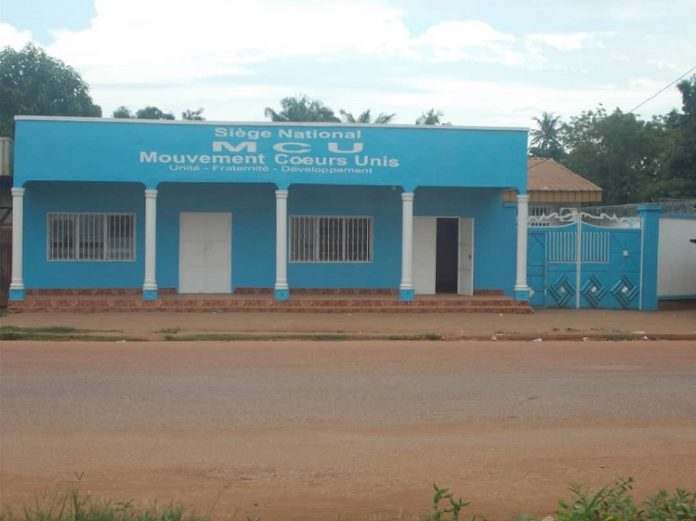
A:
x: 91, y: 236
x: 330, y: 239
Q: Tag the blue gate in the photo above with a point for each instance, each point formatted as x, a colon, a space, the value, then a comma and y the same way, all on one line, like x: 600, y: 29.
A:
x: 583, y: 265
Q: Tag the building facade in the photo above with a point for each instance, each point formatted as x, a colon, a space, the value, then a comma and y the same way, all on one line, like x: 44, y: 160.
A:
x: 206, y: 207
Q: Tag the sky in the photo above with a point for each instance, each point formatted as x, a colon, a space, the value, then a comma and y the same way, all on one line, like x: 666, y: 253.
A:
x: 480, y: 62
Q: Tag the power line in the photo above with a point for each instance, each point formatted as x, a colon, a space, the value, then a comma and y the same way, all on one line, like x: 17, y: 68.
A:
x: 661, y: 90
x: 637, y: 106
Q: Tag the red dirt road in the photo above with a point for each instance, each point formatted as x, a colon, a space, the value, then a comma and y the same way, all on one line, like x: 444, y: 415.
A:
x: 298, y: 430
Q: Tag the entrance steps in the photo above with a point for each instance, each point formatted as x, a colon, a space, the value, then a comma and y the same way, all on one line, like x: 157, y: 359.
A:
x: 250, y: 302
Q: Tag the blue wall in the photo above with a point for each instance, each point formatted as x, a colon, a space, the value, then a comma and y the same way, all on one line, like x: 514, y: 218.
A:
x: 42, y: 198
x: 149, y: 152
x: 253, y: 232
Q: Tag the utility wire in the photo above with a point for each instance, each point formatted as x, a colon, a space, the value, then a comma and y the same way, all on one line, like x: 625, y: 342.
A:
x: 661, y: 90
x: 637, y: 106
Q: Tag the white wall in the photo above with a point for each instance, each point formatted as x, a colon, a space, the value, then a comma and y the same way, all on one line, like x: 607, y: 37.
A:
x: 676, y: 263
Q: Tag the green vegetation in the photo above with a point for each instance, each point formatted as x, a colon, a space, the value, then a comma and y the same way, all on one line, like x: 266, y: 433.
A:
x: 610, y: 503
x: 60, y: 333
x: 73, y: 506
x: 615, y: 503
x: 632, y: 159
x: 31, y: 82
x: 445, y: 506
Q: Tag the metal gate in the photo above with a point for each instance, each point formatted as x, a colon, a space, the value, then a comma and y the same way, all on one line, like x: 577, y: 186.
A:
x: 582, y: 260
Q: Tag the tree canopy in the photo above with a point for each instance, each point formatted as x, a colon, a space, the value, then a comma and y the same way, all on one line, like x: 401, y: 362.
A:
x: 122, y: 112
x: 33, y: 83
x: 431, y: 117
x: 633, y: 160
x: 366, y: 117
x: 302, y: 108
x: 193, y: 115
x: 546, y: 139
x: 151, y: 112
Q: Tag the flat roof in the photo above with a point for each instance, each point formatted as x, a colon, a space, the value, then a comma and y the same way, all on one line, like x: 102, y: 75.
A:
x: 262, y: 123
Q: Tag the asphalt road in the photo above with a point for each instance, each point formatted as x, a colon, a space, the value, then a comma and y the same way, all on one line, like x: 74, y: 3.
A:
x: 297, y: 430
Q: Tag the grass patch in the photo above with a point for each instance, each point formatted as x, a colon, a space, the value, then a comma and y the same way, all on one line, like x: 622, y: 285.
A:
x: 168, y: 330
x: 610, y: 503
x: 59, y: 333
x: 75, y: 506
x: 59, y: 330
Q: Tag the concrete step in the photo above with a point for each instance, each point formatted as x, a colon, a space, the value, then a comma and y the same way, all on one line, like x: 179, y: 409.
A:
x: 86, y: 304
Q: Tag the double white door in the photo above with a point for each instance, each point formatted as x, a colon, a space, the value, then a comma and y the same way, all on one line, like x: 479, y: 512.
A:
x: 205, y: 252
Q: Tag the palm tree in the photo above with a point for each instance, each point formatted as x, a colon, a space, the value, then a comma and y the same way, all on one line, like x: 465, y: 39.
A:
x: 366, y: 117
x: 301, y: 108
x: 546, y: 140
x: 431, y: 117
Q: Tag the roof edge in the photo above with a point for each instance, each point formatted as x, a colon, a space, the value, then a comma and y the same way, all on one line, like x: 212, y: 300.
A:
x: 262, y: 123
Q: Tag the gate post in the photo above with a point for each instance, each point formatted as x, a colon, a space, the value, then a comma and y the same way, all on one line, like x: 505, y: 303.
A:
x: 650, y: 234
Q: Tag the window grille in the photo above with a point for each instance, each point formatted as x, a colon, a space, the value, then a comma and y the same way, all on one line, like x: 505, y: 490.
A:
x: 91, y: 236
x: 330, y: 239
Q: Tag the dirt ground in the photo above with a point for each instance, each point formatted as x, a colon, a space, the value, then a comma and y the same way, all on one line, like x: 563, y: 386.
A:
x: 545, y: 322
x: 313, y: 430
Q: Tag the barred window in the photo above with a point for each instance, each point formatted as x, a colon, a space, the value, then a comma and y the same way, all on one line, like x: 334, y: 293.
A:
x: 330, y: 239
x: 91, y: 236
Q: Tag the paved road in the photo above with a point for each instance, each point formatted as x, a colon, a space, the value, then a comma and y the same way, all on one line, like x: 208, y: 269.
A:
x: 292, y: 430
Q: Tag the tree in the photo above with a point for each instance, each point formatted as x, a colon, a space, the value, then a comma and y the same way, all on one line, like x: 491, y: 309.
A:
x: 151, y: 112
x: 680, y: 172
x: 617, y: 151
x: 193, y: 115
x: 122, y: 112
x: 33, y: 83
x: 545, y: 140
x: 366, y: 117
x: 431, y: 117
x: 302, y: 108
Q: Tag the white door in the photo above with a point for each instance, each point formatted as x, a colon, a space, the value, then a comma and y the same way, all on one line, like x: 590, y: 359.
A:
x: 424, y: 249
x: 466, y: 257
x: 205, y: 252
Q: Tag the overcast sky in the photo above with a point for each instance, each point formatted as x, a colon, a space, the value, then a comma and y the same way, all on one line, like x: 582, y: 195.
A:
x: 481, y: 62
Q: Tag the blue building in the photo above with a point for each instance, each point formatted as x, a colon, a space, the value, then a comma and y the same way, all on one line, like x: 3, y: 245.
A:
x: 209, y: 207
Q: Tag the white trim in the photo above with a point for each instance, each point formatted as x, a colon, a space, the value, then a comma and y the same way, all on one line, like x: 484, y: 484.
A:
x: 522, y: 220
x: 263, y: 123
x: 406, y: 241
x: 150, y: 282
x: 281, y: 282
x: 17, y: 279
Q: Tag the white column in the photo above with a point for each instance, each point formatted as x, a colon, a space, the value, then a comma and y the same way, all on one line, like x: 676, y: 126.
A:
x: 406, y: 286
x: 17, y: 281
x: 521, y: 288
x: 150, y: 284
x: 281, y: 290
